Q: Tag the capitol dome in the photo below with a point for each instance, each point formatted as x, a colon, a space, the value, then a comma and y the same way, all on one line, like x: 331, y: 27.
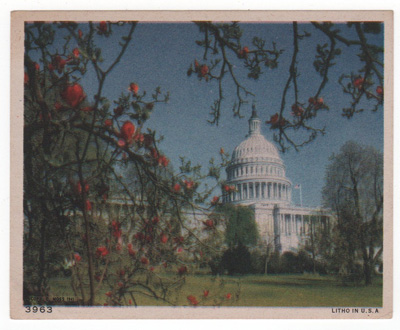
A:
x: 256, y: 170
x: 255, y: 147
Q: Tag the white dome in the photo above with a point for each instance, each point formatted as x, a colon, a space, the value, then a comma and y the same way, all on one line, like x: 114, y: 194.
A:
x: 255, y: 148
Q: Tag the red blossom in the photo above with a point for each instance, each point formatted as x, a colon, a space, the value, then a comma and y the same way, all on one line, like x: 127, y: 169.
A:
x: 134, y: 88
x: 51, y: 66
x: 274, y: 119
x: 26, y: 78
x: 80, y: 34
x: 209, y: 224
x: 76, y: 52
x: 164, y: 238
x: 102, y: 251
x: 358, y: 83
x: 138, y: 137
x: 155, y: 220
x: 221, y: 151
x: 215, y: 200
x: 151, y: 269
x: 102, y: 28
x: 130, y: 301
x: 121, y: 143
x: 177, y: 187
x: 228, y: 296
x: 120, y: 284
x: 131, y: 251
x: 78, y: 187
x: 229, y: 189
x: 196, y: 65
x: 243, y: 52
x: 179, y: 250
x: 108, y: 123
x: 77, y: 257
x: 117, y: 232
x: 379, y: 90
x: 193, y: 301
x: 73, y: 95
x: 88, y: 205
x: 297, y: 111
x: 37, y: 66
x: 154, y: 153
x: 127, y: 131
x: 204, y: 70
x: 182, y: 270
x: 163, y: 161
x: 109, y: 294
x: 205, y: 293
x: 58, y: 63
x: 188, y: 184
x: 144, y: 261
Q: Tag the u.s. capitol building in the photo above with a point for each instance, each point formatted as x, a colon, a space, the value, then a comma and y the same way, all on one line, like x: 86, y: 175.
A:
x: 259, y: 176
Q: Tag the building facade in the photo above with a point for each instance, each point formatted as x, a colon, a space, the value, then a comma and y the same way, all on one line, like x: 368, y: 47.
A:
x: 258, y: 174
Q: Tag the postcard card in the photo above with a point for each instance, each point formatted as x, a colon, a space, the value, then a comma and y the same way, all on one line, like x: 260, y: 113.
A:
x: 201, y: 164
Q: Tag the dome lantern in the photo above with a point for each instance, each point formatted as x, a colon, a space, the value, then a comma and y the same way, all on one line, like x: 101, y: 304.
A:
x: 254, y: 123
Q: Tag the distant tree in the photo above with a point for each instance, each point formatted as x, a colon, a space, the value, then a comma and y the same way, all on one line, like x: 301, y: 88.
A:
x: 354, y: 192
x: 318, y: 243
x: 240, y: 233
x: 241, y: 227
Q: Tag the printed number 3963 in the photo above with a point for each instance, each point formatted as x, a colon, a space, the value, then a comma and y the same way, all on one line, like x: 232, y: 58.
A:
x: 41, y: 309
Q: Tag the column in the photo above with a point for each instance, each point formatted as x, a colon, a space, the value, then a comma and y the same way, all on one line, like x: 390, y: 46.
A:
x: 259, y: 190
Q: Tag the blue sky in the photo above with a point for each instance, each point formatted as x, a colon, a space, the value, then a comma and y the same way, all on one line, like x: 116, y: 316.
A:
x: 160, y: 55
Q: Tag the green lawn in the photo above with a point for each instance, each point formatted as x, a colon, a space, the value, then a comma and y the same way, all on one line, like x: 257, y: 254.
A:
x: 260, y: 290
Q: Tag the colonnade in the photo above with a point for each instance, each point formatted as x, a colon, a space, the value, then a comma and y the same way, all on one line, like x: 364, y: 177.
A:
x: 297, y: 224
x: 260, y: 190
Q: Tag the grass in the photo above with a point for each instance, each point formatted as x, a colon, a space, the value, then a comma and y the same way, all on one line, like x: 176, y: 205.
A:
x: 259, y: 290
